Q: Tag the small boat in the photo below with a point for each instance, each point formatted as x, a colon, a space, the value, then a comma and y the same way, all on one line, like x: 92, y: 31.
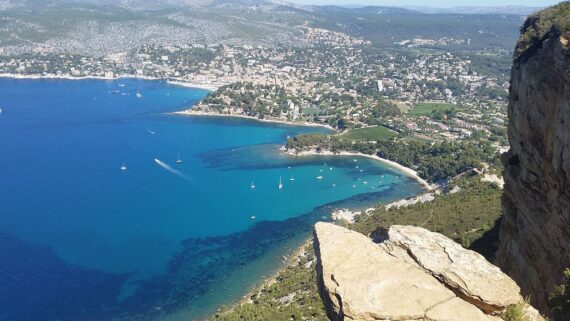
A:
x: 292, y: 179
x: 319, y: 177
x: 0, y: 111
x: 320, y: 170
x: 252, y: 185
x: 356, y: 166
x: 361, y: 170
x: 365, y: 182
x: 178, y: 160
x: 115, y: 92
x: 123, y: 167
x: 138, y: 94
x: 333, y: 185
x: 150, y: 131
x: 253, y: 217
x: 330, y: 168
x: 353, y: 186
x: 121, y: 85
x: 280, y: 186
x: 355, y: 160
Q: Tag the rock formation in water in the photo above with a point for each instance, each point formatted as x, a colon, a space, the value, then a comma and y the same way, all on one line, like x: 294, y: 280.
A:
x: 413, y: 274
x: 535, y: 230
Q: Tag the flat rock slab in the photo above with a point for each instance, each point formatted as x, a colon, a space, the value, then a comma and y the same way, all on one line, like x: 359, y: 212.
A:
x: 362, y: 281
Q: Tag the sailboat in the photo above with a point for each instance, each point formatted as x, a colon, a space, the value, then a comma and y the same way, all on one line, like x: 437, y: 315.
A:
x: 178, y: 160
x: 139, y: 95
x: 252, y: 185
x: 123, y: 167
x: 292, y: 179
x: 280, y: 186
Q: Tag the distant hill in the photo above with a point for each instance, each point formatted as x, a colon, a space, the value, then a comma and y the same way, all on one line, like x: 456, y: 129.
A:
x: 104, y: 26
x: 512, y: 10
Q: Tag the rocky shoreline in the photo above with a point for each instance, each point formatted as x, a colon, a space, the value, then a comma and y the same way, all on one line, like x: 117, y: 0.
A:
x: 191, y: 112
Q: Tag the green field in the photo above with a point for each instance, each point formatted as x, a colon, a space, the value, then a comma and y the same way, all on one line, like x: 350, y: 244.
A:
x: 370, y: 133
x: 426, y: 109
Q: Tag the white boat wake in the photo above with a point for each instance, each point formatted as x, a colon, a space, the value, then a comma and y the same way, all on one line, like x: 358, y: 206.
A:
x: 171, y: 169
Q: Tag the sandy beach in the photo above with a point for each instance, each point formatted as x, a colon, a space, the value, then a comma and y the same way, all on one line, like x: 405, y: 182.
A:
x: 208, y: 87
x: 190, y: 112
x: 407, y: 171
x: 175, y: 82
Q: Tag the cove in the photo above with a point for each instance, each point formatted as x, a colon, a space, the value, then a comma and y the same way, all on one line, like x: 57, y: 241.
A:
x: 160, y: 240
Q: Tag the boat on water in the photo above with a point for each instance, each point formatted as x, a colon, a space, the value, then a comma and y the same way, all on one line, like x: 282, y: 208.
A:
x: 253, y: 217
x: 0, y: 111
x: 292, y: 179
x: 319, y: 177
x: 252, y: 185
x: 150, y: 131
x: 178, y: 160
x: 123, y: 167
x: 280, y: 186
x: 138, y: 94
x: 333, y: 185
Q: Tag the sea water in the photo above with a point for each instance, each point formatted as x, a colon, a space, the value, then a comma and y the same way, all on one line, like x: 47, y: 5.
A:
x: 82, y: 240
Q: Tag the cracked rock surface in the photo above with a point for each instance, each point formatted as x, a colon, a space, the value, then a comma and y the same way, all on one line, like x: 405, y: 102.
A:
x: 413, y: 274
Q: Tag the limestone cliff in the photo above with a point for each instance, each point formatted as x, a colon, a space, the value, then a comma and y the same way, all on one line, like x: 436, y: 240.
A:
x: 535, y: 231
x: 413, y: 274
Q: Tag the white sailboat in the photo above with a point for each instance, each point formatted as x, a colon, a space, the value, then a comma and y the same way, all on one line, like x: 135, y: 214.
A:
x: 319, y: 177
x: 252, y: 185
x: 139, y: 95
x: 292, y: 179
x: 178, y: 160
x: 123, y: 167
x: 280, y: 186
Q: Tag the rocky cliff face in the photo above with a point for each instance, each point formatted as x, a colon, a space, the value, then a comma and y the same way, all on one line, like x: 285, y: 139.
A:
x: 535, y: 232
x: 413, y: 274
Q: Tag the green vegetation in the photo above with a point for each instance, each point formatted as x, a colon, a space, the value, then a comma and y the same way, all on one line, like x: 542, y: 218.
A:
x: 294, y: 296
x: 438, y: 161
x: 547, y: 23
x: 369, y: 133
x: 469, y: 217
x: 428, y: 109
x: 559, y: 300
x: 515, y: 312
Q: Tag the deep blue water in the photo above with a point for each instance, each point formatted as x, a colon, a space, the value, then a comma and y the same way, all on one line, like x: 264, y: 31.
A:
x: 81, y: 240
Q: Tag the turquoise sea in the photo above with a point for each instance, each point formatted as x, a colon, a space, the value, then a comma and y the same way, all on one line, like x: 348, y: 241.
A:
x: 83, y: 240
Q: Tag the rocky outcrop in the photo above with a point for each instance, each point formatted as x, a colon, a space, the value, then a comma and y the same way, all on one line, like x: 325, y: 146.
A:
x: 535, y: 233
x: 412, y: 274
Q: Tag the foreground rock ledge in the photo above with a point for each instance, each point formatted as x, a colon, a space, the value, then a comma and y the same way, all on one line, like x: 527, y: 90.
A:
x: 413, y: 274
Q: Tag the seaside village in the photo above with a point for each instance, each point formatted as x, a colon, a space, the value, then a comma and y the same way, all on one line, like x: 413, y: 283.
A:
x: 329, y: 78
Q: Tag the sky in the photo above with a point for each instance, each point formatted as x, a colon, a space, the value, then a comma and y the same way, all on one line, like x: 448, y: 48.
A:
x: 436, y: 3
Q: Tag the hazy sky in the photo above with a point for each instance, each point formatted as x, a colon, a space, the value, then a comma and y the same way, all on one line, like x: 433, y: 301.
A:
x: 436, y: 3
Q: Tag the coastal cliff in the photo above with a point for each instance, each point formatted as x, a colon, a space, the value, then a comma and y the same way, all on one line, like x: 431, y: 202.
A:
x: 535, y: 234
x: 412, y: 274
